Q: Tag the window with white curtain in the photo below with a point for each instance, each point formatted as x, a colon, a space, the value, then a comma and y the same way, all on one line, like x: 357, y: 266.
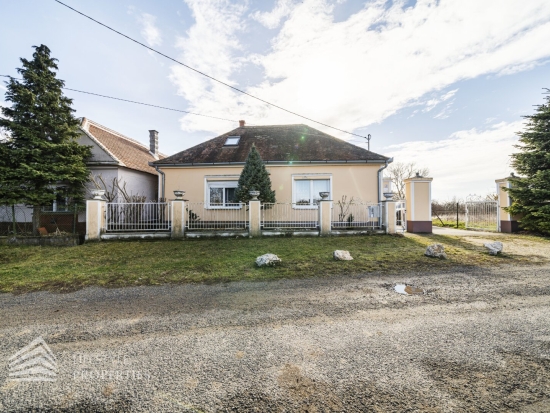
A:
x: 306, y: 191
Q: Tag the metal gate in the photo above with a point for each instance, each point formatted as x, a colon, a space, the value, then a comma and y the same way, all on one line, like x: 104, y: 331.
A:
x: 482, y: 215
x: 137, y: 217
x: 400, y: 216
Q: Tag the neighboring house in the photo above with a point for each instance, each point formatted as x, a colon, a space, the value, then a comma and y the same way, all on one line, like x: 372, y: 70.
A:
x: 302, y: 162
x: 115, y: 156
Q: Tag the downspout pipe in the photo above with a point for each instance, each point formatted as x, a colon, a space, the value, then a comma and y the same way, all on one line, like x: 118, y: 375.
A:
x: 162, y: 182
x: 388, y: 161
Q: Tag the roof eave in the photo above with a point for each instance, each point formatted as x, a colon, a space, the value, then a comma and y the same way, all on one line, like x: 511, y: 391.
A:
x: 332, y: 162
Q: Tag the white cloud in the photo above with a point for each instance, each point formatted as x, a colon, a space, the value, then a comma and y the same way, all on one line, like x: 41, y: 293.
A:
x: 149, y: 31
x: 467, y: 162
x: 356, y: 72
x: 272, y: 19
x: 210, y: 44
x: 432, y: 103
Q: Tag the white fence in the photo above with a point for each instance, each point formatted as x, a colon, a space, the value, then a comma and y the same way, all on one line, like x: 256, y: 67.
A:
x: 482, y: 215
x: 401, y: 216
x: 280, y: 216
x: 199, y: 216
x: 357, y: 216
x: 136, y: 217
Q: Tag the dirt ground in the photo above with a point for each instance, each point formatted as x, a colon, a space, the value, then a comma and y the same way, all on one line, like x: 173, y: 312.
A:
x: 477, y: 340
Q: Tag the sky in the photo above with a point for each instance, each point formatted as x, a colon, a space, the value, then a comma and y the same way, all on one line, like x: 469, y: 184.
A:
x: 444, y: 84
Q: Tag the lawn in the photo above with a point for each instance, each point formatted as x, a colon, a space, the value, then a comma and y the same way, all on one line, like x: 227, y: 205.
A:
x: 124, y: 263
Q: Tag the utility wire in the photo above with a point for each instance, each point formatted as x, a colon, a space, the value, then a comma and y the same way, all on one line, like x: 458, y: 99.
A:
x: 206, y: 75
x: 138, y: 103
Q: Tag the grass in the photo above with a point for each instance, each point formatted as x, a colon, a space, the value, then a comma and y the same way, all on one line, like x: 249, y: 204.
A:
x: 446, y: 223
x: 125, y: 263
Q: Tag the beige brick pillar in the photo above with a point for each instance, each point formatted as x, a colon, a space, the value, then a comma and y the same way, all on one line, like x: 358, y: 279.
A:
x: 95, y: 219
x: 254, y: 220
x: 418, y: 195
x: 177, y: 211
x: 506, y: 222
x: 325, y: 224
x: 390, y: 217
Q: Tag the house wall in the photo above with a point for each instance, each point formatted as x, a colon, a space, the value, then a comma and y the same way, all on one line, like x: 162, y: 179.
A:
x: 358, y: 180
x: 98, y: 153
x: 137, y: 183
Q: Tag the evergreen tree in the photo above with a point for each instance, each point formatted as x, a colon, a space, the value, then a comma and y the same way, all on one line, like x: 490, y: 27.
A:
x: 530, y: 194
x: 254, y: 177
x: 44, y: 155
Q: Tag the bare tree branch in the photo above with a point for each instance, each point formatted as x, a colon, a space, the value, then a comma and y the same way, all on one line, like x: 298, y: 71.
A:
x: 399, y: 171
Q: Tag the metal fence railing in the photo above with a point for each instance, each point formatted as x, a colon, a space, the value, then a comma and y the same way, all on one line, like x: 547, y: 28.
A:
x: 19, y: 220
x: 357, y: 216
x: 482, y: 215
x: 138, y: 216
x: 280, y: 216
x: 401, y: 216
x: 201, y: 216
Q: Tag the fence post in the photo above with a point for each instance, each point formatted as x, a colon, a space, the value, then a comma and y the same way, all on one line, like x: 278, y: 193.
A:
x: 505, y: 221
x: 13, y: 219
x: 95, y: 218
x: 418, y: 192
x: 325, y: 223
x: 178, y: 218
x: 390, y: 217
x: 457, y: 214
x: 254, y: 219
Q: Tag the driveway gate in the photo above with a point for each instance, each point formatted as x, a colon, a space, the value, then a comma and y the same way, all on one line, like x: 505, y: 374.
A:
x: 482, y: 215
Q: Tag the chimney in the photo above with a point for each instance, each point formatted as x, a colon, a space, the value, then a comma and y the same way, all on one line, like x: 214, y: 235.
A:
x: 154, y: 142
x: 241, y: 123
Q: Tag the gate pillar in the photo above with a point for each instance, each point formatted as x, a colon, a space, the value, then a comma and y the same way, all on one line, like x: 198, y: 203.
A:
x: 95, y: 218
x: 505, y: 221
x: 418, y: 194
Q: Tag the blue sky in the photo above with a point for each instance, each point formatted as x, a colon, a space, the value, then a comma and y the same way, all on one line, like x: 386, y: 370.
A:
x: 441, y: 83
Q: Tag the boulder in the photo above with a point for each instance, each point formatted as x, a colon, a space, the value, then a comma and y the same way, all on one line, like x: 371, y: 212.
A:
x: 267, y: 260
x: 494, y: 248
x: 436, y: 251
x: 341, y: 255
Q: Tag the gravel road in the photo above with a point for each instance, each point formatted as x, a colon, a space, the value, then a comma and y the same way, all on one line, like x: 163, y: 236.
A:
x: 477, y: 341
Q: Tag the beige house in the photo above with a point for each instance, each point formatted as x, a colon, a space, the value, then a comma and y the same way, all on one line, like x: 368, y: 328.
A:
x: 302, y: 162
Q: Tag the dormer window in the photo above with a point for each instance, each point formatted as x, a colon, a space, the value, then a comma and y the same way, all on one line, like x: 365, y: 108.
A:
x: 232, y: 141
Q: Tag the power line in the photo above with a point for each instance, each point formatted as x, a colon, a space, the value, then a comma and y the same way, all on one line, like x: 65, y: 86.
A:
x: 137, y: 103
x: 204, y: 74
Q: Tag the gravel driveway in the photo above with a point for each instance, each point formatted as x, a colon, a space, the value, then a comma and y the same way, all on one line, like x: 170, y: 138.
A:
x: 477, y: 341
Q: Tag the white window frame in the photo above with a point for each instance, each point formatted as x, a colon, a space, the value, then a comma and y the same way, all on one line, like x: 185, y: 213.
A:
x: 219, y: 184
x: 309, y: 177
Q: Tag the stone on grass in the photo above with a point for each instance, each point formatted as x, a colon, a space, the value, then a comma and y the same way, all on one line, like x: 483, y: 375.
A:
x: 267, y: 260
x: 436, y: 251
x: 494, y: 248
x: 341, y: 255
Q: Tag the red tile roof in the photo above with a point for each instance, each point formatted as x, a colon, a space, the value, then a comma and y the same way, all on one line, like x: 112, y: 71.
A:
x: 127, y: 151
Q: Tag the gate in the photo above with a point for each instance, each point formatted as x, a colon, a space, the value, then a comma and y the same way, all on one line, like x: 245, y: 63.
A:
x: 482, y: 215
x: 401, y: 216
x: 137, y: 217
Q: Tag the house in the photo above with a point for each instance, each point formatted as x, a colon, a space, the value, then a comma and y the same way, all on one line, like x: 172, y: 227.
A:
x: 115, y: 156
x: 301, y: 160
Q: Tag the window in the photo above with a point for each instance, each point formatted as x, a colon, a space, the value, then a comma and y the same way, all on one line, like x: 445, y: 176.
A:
x: 232, y: 141
x: 306, y: 191
x: 222, y: 194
